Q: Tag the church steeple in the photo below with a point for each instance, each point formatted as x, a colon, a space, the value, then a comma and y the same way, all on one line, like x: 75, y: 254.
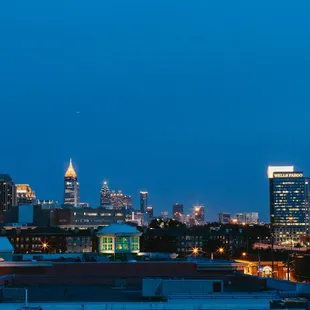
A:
x: 70, y: 173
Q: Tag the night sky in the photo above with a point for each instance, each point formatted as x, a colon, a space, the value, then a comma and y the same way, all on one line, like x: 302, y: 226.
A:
x: 190, y: 100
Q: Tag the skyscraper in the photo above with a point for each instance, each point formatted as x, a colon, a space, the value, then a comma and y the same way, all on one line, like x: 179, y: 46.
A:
x: 178, y: 212
x: 7, y: 195
x: 289, y: 205
x: 25, y: 195
x: 149, y: 213
x: 224, y: 217
x: 143, y: 201
x: 177, y: 208
x: 105, y: 195
x: 199, y: 215
x: 71, y: 187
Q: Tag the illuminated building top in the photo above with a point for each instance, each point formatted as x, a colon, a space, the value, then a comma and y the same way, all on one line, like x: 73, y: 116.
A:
x: 273, y: 169
x: 70, y: 173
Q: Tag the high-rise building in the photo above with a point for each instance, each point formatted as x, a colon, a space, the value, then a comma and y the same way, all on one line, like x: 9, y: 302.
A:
x: 143, y: 201
x: 119, y: 200
x: 289, y: 204
x: 25, y: 195
x: 251, y: 218
x: 7, y: 195
x: 199, y: 215
x: 105, y: 195
x: 241, y: 218
x: 178, y: 212
x: 246, y: 218
x: 71, y: 187
x: 224, y: 218
x: 164, y: 215
x: 177, y: 208
x: 48, y: 204
x: 150, y: 213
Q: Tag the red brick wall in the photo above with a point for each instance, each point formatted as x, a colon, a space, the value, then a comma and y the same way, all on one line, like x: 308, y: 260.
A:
x: 101, y: 272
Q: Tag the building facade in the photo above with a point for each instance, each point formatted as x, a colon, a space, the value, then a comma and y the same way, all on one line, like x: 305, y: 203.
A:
x: 199, y: 215
x: 178, y: 212
x: 88, y: 217
x: 71, y: 187
x: 224, y: 218
x: 118, y: 240
x: 289, y: 206
x: 7, y: 195
x: 150, y: 213
x: 143, y: 201
x: 25, y: 195
x: 105, y: 195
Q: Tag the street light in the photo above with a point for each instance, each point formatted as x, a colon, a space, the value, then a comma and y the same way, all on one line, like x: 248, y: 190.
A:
x: 195, y: 251
x: 44, y: 246
x: 243, y: 254
x: 221, y: 250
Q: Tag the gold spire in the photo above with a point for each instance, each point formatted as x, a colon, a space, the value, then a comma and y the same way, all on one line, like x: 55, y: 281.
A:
x: 70, y: 171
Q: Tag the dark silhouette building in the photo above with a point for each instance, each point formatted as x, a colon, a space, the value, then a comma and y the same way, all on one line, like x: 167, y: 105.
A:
x: 7, y: 195
x: 143, y: 201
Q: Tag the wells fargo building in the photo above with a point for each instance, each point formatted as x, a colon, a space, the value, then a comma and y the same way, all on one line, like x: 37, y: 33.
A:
x: 289, y: 205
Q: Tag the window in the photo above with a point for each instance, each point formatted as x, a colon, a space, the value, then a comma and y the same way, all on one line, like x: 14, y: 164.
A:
x: 135, y: 244
x: 122, y: 243
x: 107, y: 244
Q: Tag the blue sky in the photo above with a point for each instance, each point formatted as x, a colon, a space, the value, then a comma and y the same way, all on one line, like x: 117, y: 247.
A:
x: 190, y: 100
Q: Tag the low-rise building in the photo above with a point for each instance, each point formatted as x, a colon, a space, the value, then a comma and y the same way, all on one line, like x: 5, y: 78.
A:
x: 119, y: 240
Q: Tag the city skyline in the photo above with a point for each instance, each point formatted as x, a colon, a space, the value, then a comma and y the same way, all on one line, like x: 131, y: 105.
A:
x: 191, y: 102
x: 188, y: 209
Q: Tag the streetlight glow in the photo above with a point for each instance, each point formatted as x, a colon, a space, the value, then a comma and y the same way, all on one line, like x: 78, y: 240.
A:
x: 195, y: 251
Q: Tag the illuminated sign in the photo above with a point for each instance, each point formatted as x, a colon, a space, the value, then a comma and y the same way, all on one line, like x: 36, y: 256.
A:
x: 288, y: 175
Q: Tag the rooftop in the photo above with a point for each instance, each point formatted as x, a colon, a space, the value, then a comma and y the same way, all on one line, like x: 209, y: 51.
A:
x: 118, y: 229
x: 5, y: 245
x: 70, y: 173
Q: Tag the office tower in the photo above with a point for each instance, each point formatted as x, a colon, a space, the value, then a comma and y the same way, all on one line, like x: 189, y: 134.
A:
x: 48, y: 204
x: 251, y: 218
x: 71, y: 187
x: 105, y: 195
x: 7, y: 195
x: 127, y: 201
x: 25, y: 195
x: 199, y: 215
x: 241, y: 218
x: 177, y: 209
x: 143, y: 201
x: 164, y: 215
x: 150, y: 213
x: 289, y: 205
x: 224, y: 218
x: 178, y: 212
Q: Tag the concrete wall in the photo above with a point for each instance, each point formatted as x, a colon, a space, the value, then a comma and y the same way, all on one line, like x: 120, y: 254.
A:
x: 280, y: 285
x: 303, y: 288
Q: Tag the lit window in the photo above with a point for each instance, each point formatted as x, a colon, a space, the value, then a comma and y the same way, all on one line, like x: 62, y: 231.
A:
x: 107, y: 244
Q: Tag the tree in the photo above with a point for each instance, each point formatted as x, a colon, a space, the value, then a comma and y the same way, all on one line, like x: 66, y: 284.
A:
x: 301, y: 270
x: 162, y: 223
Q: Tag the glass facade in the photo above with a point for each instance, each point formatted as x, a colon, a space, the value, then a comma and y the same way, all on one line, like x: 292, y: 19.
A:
x: 135, y: 244
x: 289, y: 207
x: 107, y: 244
x: 120, y: 244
